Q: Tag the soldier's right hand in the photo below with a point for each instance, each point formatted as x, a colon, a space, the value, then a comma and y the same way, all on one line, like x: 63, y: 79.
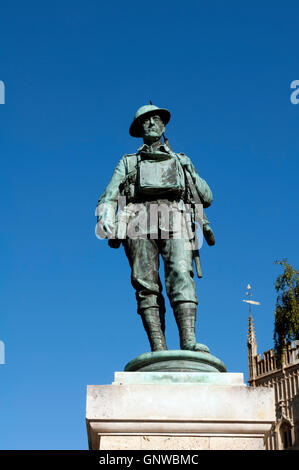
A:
x: 109, y: 229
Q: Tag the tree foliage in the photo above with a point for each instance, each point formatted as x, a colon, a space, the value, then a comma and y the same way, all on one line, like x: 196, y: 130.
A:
x: 286, y: 326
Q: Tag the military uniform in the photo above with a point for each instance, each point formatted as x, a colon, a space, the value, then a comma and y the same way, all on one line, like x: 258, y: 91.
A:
x: 143, y: 253
x: 139, y: 185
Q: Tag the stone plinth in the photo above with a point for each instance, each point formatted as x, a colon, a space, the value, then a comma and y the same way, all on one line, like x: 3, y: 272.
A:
x: 178, y: 411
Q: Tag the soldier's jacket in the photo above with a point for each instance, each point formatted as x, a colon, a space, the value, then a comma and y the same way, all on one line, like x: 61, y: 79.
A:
x: 124, y: 183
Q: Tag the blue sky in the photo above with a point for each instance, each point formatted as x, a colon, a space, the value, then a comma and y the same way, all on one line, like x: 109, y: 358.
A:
x: 75, y: 72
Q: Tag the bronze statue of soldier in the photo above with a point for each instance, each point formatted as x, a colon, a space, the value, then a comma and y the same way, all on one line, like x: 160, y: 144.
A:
x: 157, y: 175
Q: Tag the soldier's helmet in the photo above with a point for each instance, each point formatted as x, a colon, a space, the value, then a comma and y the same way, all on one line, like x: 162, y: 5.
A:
x: 164, y: 114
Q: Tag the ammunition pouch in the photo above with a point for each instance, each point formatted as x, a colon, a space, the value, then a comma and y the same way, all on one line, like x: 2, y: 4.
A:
x: 159, y: 177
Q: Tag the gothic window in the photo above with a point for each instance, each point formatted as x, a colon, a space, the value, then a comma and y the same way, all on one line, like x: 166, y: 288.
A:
x: 286, y: 435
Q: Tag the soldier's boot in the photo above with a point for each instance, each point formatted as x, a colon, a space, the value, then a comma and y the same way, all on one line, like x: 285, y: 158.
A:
x: 185, y: 315
x: 154, y: 325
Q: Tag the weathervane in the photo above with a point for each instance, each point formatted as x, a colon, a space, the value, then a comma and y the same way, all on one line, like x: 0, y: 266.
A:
x: 250, y: 302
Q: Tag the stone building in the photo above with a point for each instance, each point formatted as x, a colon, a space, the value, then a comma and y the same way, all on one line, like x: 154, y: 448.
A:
x: 264, y: 371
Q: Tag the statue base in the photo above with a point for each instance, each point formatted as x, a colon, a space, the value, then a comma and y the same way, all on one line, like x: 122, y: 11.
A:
x: 178, y: 411
x: 176, y: 361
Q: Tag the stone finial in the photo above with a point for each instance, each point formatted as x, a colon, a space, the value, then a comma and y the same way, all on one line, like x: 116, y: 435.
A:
x: 252, y: 351
x: 251, y: 340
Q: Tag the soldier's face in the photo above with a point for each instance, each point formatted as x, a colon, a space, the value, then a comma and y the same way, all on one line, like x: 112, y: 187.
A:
x: 152, y: 127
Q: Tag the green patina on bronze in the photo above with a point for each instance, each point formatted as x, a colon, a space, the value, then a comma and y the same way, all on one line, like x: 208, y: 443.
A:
x: 176, y: 361
x: 155, y: 174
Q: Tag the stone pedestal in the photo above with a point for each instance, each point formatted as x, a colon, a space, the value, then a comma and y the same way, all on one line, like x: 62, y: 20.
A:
x: 178, y: 411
